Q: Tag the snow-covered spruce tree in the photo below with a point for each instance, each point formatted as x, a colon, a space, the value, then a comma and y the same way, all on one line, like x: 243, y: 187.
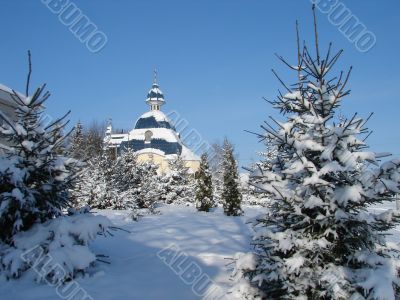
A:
x: 319, y: 240
x: 148, y: 191
x: 126, y: 180
x: 204, y: 188
x: 178, y: 183
x: 231, y: 195
x: 90, y: 189
x: 215, y: 162
x: 105, y: 194
x: 34, y: 177
x: 269, y: 157
x: 94, y: 139
x: 137, y: 185
x: 124, y: 183
x: 94, y: 187
x: 35, y: 180
x: 77, y: 143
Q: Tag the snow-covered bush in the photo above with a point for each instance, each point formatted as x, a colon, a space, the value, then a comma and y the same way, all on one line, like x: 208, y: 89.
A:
x: 55, y: 251
x: 319, y: 240
x: 34, y: 175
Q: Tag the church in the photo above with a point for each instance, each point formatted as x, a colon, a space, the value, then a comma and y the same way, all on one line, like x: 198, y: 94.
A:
x: 154, y: 137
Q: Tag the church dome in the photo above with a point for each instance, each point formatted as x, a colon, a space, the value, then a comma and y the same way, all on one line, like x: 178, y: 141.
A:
x: 155, y: 98
x: 154, y: 133
x: 155, y: 94
x: 154, y: 119
x: 154, y: 130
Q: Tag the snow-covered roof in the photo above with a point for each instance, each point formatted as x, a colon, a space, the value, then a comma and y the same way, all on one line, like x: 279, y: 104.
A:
x: 157, y: 133
x: 154, y: 119
x: 157, y: 114
x: 165, y: 134
x: 116, y: 139
x: 155, y: 94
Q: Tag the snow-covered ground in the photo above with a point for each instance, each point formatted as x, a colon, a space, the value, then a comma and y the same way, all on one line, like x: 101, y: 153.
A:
x: 137, y: 272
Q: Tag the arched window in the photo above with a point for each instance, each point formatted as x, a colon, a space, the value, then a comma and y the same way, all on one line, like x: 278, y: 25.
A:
x: 147, y: 136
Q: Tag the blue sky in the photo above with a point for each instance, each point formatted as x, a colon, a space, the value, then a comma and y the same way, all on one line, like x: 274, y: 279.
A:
x: 213, y: 57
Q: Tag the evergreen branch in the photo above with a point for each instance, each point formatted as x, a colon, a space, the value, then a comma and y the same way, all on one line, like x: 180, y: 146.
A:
x: 29, y: 73
x: 316, y: 34
x: 280, y: 80
x: 58, y: 120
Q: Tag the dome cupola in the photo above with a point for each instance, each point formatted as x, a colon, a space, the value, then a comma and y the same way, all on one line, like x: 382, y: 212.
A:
x: 155, y: 97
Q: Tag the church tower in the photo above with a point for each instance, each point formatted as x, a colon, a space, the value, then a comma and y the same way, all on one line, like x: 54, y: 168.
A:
x: 155, y: 97
x: 154, y: 136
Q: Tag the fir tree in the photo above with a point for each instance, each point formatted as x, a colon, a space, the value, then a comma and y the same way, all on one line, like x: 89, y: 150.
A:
x: 215, y: 163
x: 77, y: 143
x: 269, y: 158
x: 231, y: 196
x: 94, y: 187
x: 94, y: 139
x: 108, y: 168
x: 178, y: 183
x: 126, y: 180
x: 121, y: 184
x: 148, y: 191
x: 204, y: 189
x: 126, y: 174
x: 319, y: 240
x: 34, y: 177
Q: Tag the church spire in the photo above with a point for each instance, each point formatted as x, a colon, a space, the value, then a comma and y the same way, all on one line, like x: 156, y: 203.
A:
x: 155, y: 98
x: 155, y: 76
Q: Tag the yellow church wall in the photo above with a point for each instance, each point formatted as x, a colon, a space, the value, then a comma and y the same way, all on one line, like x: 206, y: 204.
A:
x: 163, y: 163
x: 155, y: 158
x: 194, y: 165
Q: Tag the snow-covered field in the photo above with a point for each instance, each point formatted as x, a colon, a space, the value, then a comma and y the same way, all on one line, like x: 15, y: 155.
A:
x: 137, y: 272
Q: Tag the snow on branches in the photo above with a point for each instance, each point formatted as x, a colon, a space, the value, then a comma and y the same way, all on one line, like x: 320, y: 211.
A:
x: 55, y: 251
x: 123, y: 183
x: 231, y: 195
x: 34, y: 175
x: 319, y: 240
x: 204, y: 188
